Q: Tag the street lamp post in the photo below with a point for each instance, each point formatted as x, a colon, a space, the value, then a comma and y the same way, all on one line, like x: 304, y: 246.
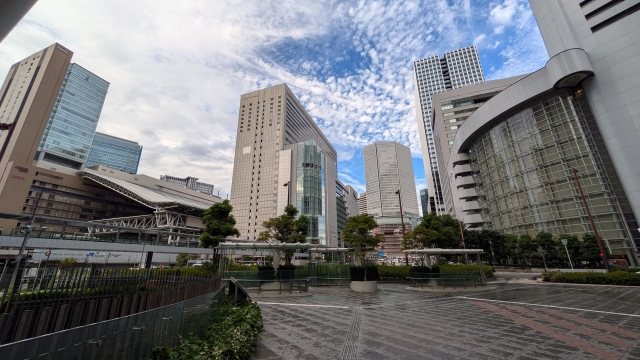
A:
x: 288, y: 192
x: 593, y: 225
x: 542, y: 251
x: 564, y: 242
x: 406, y: 256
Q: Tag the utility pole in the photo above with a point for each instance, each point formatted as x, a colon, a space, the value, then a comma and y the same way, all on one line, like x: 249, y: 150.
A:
x: 406, y: 256
x: 463, y: 245
x: 593, y: 225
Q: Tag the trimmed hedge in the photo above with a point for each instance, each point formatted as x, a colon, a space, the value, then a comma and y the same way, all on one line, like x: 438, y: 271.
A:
x: 233, y: 334
x: 612, y: 278
x: 401, y: 272
x: 356, y: 273
x: 466, y: 268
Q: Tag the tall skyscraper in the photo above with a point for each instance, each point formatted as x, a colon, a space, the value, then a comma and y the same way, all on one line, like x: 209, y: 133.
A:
x: 432, y: 75
x: 72, y: 124
x: 281, y: 158
x: 346, y: 205
x: 114, y: 152
x: 389, y: 175
x: 424, y: 201
x: 362, y: 203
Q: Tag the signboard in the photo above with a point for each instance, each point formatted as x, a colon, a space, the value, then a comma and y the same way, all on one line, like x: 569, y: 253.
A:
x: 380, y: 253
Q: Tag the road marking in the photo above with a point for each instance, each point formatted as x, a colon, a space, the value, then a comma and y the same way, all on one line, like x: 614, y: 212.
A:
x: 306, y: 305
x: 548, y: 306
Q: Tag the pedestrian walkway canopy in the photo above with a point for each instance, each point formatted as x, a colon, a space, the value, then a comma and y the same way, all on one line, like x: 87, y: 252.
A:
x: 438, y: 251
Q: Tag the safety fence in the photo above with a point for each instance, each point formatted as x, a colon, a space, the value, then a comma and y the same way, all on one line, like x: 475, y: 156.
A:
x: 56, y: 299
x: 123, y: 338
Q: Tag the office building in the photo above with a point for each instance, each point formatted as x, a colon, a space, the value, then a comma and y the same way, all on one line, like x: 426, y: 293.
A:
x: 433, y: 75
x: 346, y: 205
x: 450, y: 110
x: 389, y: 176
x: 282, y: 158
x: 424, y: 201
x: 362, y: 203
x: 72, y: 124
x: 190, y: 183
x: 62, y: 197
x: 573, y: 120
x: 116, y: 153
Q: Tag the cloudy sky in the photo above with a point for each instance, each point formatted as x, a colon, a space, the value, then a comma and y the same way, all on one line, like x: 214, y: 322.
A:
x: 177, y: 68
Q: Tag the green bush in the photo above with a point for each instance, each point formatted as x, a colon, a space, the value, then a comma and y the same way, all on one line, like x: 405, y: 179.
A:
x: 466, y: 268
x: 205, y: 270
x: 356, y: 273
x: 612, y: 278
x: 393, y: 272
x: 233, y: 334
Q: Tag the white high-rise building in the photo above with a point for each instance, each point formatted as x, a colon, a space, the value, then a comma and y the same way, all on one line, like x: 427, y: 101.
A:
x: 432, y: 75
x: 362, y: 203
x: 282, y: 158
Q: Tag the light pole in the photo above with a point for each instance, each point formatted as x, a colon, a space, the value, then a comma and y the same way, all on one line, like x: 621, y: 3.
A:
x: 288, y: 192
x: 406, y: 256
x: 603, y: 254
x: 564, y: 242
x: 542, y: 251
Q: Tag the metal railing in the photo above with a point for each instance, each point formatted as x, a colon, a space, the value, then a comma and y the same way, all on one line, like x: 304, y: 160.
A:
x: 129, y: 337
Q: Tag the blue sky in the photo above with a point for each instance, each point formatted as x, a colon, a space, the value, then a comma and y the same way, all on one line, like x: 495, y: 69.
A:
x: 177, y: 71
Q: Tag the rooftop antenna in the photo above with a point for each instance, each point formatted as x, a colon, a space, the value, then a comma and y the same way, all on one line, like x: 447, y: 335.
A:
x: 218, y: 193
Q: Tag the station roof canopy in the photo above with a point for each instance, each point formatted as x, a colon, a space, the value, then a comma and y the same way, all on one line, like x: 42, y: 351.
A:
x: 155, y: 198
x: 329, y: 250
x: 443, y: 251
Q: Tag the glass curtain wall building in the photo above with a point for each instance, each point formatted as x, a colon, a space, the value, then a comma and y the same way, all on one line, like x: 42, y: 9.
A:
x: 432, y: 75
x: 72, y: 124
x: 114, y: 152
x: 310, y: 189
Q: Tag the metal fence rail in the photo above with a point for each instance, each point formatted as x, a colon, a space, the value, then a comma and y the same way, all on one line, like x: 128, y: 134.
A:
x: 129, y: 337
x: 58, y: 299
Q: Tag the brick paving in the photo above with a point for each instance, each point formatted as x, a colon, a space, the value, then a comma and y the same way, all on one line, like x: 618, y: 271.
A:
x: 511, y: 321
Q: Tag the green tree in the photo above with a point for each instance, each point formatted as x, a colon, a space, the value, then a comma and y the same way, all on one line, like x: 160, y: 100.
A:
x: 357, y: 232
x: 528, y: 248
x: 67, y: 263
x: 512, y: 248
x: 446, y: 226
x: 573, y: 246
x: 286, y: 228
x: 419, y: 238
x: 218, y: 224
x: 183, y: 259
x: 590, y: 250
x: 490, y: 241
x: 545, y: 241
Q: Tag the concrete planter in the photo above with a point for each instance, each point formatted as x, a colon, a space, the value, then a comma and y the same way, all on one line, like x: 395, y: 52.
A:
x: 364, y: 286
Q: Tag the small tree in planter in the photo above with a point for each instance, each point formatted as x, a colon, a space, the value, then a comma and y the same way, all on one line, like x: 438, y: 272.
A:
x: 357, y: 232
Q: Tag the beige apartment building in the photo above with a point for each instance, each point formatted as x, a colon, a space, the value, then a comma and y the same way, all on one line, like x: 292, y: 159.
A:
x: 282, y: 157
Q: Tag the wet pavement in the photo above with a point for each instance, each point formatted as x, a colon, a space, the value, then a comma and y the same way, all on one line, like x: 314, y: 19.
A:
x: 510, y: 321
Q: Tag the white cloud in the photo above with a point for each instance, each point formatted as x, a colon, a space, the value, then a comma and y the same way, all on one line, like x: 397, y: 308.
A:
x: 479, y: 39
x: 177, y: 71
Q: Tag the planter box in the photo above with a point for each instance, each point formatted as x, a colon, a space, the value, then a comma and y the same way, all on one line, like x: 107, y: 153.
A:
x: 364, y: 286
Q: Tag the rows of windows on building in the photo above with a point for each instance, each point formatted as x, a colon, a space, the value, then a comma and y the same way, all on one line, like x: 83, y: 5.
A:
x: 190, y: 183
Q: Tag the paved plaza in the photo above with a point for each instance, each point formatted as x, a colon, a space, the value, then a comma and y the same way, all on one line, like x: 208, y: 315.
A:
x: 514, y: 320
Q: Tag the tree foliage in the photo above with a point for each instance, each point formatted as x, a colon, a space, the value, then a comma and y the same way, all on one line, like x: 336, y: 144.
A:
x: 183, y: 259
x: 218, y: 224
x: 286, y: 228
x: 68, y: 263
x: 439, y: 231
x: 357, y: 232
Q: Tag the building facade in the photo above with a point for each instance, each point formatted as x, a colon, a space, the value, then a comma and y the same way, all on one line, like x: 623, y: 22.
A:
x: 433, y: 75
x: 424, y: 201
x: 527, y: 152
x: 72, y: 124
x: 608, y: 33
x: 362, y: 203
x: 281, y: 158
x: 389, y: 176
x: 114, y: 152
x: 190, y: 183
x: 450, y: 110
x: 346, y: 205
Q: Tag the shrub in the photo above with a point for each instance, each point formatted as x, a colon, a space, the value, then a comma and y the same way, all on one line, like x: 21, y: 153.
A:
x: 266, y: 272
x: 612, y: 278
x: 393, y: 272
x: 356, y: 273
x: 421, y: 269
x: 466, y: 268
x: 233, y: 334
